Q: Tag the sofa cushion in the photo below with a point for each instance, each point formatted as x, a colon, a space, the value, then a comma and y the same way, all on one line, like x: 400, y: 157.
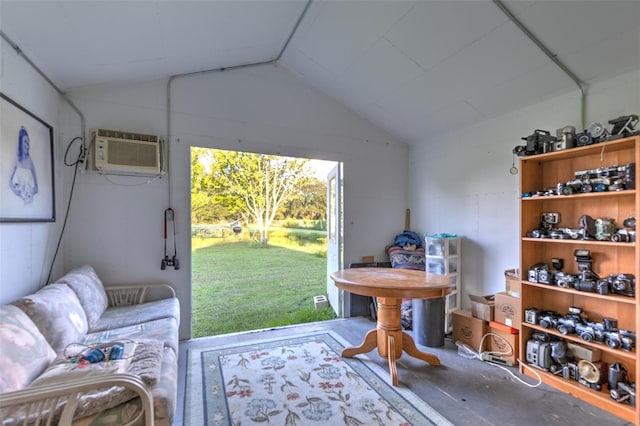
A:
x: 164, y: 330
x: 57, y: 312
x: 88, y: 287
x: 25, y: 351
x: 123, y: 316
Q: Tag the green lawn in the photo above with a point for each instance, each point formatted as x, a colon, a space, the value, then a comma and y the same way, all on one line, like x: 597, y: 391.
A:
x: 238, y: 286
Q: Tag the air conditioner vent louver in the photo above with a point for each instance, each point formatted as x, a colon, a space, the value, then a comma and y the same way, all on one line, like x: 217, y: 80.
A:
x: 120, y: 152
x: 126, y: 135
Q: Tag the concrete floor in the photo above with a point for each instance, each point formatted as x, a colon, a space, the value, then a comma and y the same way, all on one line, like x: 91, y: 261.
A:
x: 467, y: 392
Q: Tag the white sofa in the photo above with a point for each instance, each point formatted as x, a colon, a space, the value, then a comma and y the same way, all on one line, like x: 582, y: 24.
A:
x: 41, y: 380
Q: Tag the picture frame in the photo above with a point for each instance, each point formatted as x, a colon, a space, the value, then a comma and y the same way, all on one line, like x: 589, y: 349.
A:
x: 27, y: 187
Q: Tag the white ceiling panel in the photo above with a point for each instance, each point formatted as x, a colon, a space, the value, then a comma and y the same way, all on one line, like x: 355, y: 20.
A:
x: 538, y: 83
x: 411, y: 67
x: 612, y: 55
x: 383, y: 63
x: 568, y: 27
x: 341, y: 31
x: 434, y: 31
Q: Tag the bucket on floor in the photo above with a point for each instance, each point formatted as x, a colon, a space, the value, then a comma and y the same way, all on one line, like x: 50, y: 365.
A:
x: 428, y: 322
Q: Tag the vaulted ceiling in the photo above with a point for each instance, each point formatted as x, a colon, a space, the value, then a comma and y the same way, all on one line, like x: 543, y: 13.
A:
x: 414, y: 68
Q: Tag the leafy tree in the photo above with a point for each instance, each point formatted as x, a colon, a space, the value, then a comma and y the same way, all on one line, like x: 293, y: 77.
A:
x: 254, y: 184
x: 308, y: 200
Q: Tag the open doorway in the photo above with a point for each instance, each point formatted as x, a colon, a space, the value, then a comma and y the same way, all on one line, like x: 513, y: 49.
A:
x: 259, y: 241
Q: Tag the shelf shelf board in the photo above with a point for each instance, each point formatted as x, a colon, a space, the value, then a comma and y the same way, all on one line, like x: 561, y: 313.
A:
x: 613, y: 297
x: 629, y: 355
x: 598, y: 398
x: 578, y: 242
x: 617, y: 145
x: 605, y: 194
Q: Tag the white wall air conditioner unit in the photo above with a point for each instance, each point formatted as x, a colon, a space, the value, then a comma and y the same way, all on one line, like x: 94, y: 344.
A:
x: 127, y: 153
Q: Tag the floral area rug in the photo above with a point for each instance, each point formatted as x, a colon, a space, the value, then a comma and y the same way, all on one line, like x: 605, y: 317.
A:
x: 300, y: 380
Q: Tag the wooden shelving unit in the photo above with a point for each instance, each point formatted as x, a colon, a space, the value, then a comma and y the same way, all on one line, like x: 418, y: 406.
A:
x: 538, y: 172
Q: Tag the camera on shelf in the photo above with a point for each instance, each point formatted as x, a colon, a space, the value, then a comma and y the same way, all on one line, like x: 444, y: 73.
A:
x: 549, y: 319
x: 565, y: 138
x: 534, y: 272
x: 605, y: 228
x: 607, y: 332
x: 539, y: 142
x: 568, y: 323
x: 539, y: 354
x: 550, y: 218
x: 592, y: 374
x: 531, y: 315
x: 623, y: 284
x: 620, y: 389
x: 624, y: 236
x: 623, y: 126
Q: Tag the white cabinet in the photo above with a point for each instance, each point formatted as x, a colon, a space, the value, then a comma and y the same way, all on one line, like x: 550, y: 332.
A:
x: 443, y: 256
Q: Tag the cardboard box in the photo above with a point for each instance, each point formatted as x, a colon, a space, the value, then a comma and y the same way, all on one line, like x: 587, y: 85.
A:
x: 501, y: 341
x: 513, y: 285
x: 508, y: 310
x: 468, y: 329
x: 482, y: 306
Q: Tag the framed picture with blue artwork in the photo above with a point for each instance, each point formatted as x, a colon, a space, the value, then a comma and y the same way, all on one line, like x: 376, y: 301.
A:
x: 26, y: 165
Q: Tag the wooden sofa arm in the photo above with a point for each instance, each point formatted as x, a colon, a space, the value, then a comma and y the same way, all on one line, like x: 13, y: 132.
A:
x: 125, y: 295
x: 39, y: 402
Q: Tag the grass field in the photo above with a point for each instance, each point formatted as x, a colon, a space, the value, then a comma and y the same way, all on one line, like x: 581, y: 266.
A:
x: 239, y: 286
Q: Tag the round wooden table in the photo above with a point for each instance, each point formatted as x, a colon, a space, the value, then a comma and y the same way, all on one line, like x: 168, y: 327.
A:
x: 389, y: 286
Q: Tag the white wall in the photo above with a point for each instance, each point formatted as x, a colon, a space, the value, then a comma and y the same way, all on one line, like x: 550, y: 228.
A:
x: 26, y: 249
x: 461, y: 182
x: 118, y: 228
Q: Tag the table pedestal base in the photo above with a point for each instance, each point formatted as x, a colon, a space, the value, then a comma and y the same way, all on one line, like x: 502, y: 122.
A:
x: 389, y: 338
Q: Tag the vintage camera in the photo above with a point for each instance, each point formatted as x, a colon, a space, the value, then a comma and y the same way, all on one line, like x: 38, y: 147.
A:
x: 572, y: 187
x: 548, y: 319
x: 565, y: 138
x: 568, y: 323
x: 539, y: 233
x: 591, y: 285
x: 598, y: 132
x: 575, y: 233
x: 629, y: 176
x: 584, y: 139
x: 623, y: 235
x: 592, y: 374
x: 623, y: 126
x: 620, y: 339
x: 534, y: 272
x: 600, y: 184
x: 624, y: 284
x: 619, y: 387
x: 531, y: 316
x: 540, y: 141
x: 539, y: 354
x: 570, y: 370
x: 564, y: 280
x: 549, y: 219
x: 545, y: 276
x: 624, y: 393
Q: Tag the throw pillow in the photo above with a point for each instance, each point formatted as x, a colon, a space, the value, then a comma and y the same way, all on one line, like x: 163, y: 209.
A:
x: 25, y: 351
x: 57, y: 312
x: 89, y: 288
